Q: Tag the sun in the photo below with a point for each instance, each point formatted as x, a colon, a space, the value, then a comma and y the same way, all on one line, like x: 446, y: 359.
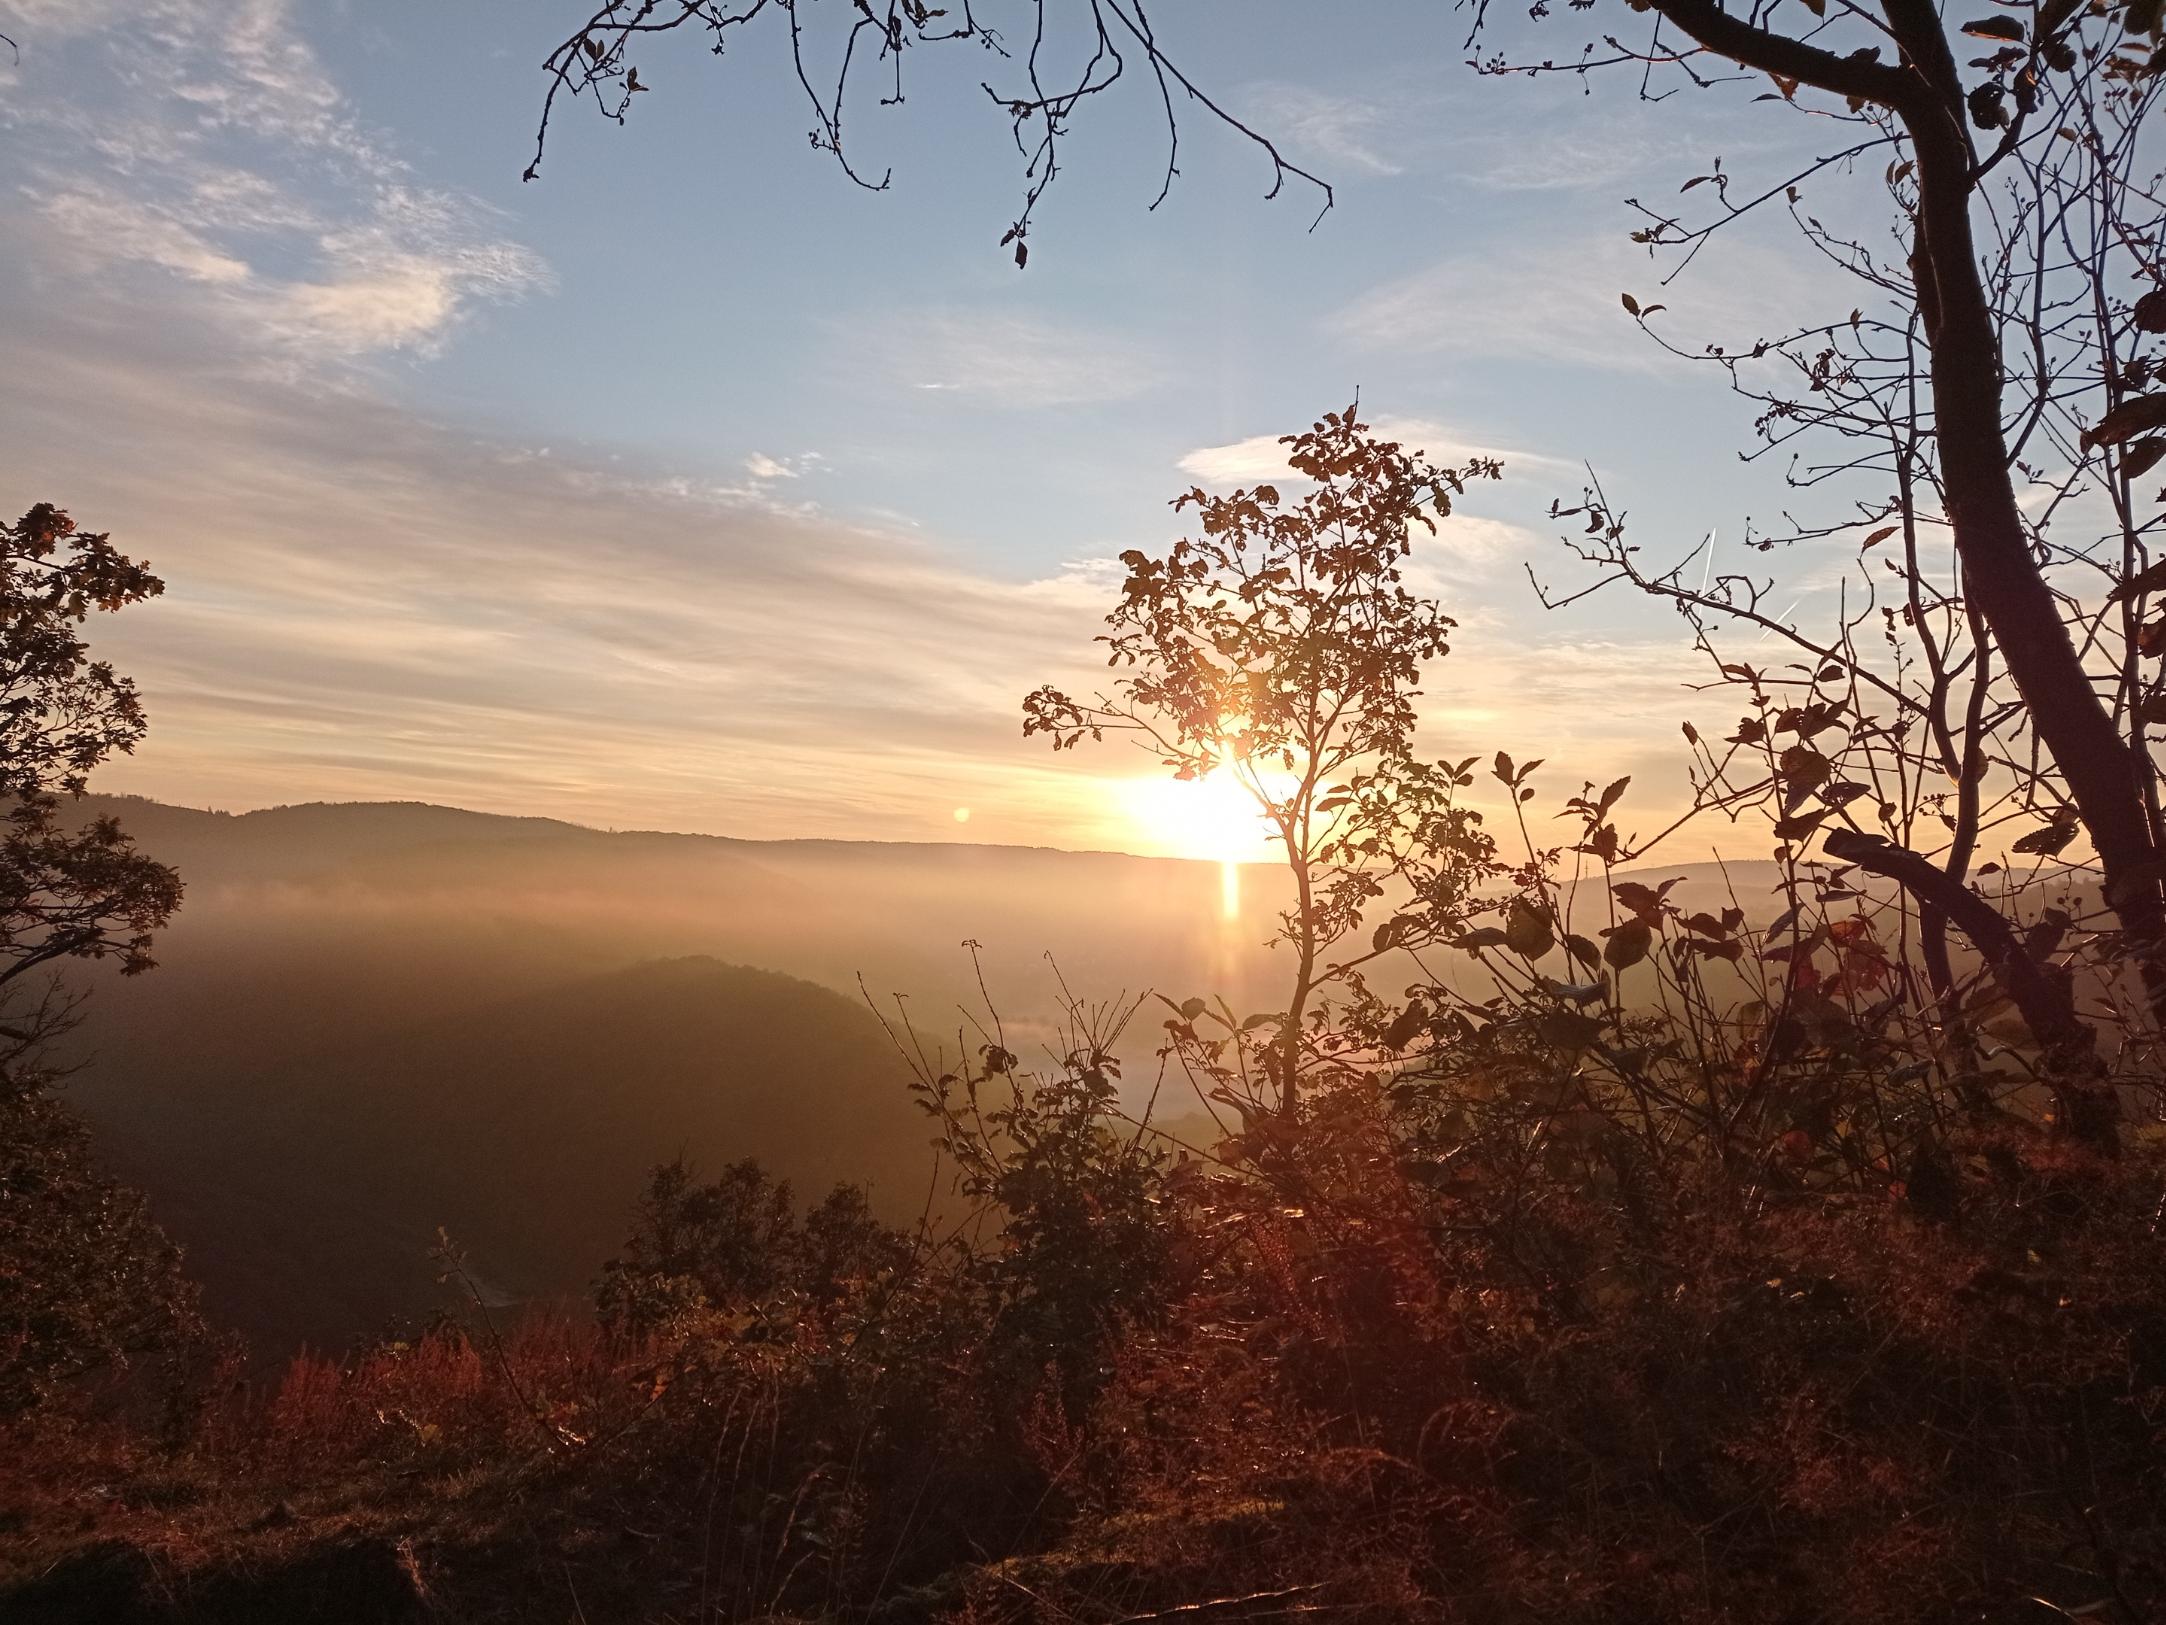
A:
x: 1213, y: 818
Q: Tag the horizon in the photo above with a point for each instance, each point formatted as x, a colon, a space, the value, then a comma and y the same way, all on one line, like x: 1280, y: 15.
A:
x: 1266, y: 862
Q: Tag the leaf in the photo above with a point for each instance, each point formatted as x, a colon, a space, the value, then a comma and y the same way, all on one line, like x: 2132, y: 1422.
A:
x: 2126, y: 421
x: 1575, y: 992
x: 2150, y: 311
x: 1526, y: 930
x: 2000, y: 28
x: 1486, y: 936
x: 2143, y: 456
x: 1567, y: 1029
x: 1805, y: 767
x: 1583, y: 950
x: 1631, y: 305
x: 1609, y: 796
x: 1409, y: 1021
x: 2048, y: 841
x: 2141, y: 582
x: 1798, y: 827
x: 1644, y: 901
x: 1729, y: 948
x: 1627, y: 944
x: 1879, y: 536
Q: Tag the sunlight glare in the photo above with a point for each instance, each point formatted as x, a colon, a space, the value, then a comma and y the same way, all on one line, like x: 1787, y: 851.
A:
x: 1212, y: 818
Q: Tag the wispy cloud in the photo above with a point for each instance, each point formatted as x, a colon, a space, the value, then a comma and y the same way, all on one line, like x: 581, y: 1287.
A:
x: 1007, y: 360
x: 1361, y: 134
x: 227, y: 160
x: 1559, y: 300
x: 1459, y: 133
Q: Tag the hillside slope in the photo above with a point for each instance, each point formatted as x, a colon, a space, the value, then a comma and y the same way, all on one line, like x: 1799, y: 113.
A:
x: 309, y: 1189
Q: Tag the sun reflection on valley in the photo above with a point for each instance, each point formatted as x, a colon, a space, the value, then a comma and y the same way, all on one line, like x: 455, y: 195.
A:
x: 1215, y: 819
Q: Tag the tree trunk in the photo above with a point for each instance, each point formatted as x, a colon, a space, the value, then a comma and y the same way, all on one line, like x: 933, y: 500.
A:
x: 2000, y: 575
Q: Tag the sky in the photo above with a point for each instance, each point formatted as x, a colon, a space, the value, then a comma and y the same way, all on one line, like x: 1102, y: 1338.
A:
x: 691, y: 487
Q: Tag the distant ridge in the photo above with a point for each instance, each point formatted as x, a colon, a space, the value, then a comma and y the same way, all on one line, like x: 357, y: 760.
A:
x: 346, y: 815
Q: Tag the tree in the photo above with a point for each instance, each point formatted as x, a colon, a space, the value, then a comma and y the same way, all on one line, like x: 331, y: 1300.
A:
x: 67, y: 891
x: 85, y: 1279
x: 1283, y: 648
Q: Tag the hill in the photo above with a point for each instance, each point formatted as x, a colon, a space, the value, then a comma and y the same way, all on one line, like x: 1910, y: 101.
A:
x: 371, y: 1020
x: 309, y: 1188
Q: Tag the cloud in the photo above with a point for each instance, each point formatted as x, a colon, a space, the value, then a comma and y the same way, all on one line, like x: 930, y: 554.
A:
x: 1262, y: 457
x: 1009, y: 361
x: 29, y: 20
x: 1348, y: 131
x: 1460, y: 133
x: 109, y: 226
x: 206, y: 143
x: 1558, y: 300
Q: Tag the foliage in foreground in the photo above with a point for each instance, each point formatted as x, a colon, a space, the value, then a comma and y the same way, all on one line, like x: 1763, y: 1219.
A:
x: 1542, y: 1382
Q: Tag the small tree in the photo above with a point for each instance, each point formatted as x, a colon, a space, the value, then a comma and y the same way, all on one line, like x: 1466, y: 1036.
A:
x: 1284, y: 648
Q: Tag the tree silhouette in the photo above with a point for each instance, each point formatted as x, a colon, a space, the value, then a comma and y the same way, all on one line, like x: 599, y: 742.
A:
x: 67, y: 890
x: 1282, y: 647
x: 89, y: 1279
